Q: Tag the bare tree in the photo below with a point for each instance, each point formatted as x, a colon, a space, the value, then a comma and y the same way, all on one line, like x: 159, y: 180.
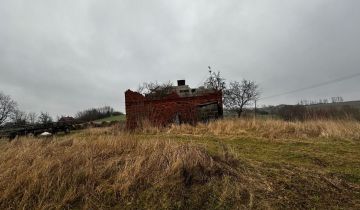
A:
x: 215, y: 81
x: 19, y: 118
x: 45, y: 118
x: 240, y: 94
x: 7, y: 107
x: 337, y: 99
x: 32, y: 116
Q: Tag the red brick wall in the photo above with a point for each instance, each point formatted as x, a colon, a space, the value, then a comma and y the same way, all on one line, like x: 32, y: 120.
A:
x: 163, y: 111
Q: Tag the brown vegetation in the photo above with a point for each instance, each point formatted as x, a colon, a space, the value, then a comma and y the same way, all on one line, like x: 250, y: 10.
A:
x: 318, y: 112
x: 269, y: 128
x: 106, y: 171
x: 106, y: 168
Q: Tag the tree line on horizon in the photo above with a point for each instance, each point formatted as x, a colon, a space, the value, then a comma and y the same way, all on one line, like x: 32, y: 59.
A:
x: 11, y: 115
x: 337, y: 99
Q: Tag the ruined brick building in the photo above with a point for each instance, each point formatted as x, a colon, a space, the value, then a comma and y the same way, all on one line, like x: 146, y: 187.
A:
x: 179, y: 104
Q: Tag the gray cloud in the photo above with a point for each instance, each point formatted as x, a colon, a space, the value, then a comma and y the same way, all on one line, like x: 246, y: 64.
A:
x: 63, y: 56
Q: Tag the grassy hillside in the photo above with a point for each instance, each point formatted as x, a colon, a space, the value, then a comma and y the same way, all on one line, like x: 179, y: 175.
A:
x: 228, y: 164
x: 355, y: 104
x: 119, y: 118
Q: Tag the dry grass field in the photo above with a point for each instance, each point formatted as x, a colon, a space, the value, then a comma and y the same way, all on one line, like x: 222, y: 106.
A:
x: 226, y: 164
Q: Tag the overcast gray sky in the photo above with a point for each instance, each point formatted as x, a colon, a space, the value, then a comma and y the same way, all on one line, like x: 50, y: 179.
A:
x: 62, y: 56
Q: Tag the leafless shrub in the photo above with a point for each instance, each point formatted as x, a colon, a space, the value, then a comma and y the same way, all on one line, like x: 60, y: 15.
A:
x: 155, y: 89
x: 215, y: 81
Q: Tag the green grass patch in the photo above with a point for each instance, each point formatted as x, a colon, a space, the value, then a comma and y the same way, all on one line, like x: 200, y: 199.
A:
x: 119, y: 118
x: 338, y: 156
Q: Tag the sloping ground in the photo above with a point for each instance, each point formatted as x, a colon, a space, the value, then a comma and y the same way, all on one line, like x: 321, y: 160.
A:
x: 184, y: 167
x: 118, y: 118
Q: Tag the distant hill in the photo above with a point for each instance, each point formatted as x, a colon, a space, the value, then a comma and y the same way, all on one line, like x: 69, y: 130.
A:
x: 119, y: 118
x: 355, y: 104
x: 273, y: 110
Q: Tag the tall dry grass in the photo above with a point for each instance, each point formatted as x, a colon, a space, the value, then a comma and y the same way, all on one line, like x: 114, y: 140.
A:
x: 272, y: 128
x: 101, y: 170
x: 108, y: 168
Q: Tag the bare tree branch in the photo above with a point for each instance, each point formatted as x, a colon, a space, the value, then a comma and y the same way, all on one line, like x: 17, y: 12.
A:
x: 32, y: 116
x: 45, y: 118
x: 240, y: 94
x: 7, y: 107
x: 19, y: 118
x: 215, y: 81
x: 155, y: 89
